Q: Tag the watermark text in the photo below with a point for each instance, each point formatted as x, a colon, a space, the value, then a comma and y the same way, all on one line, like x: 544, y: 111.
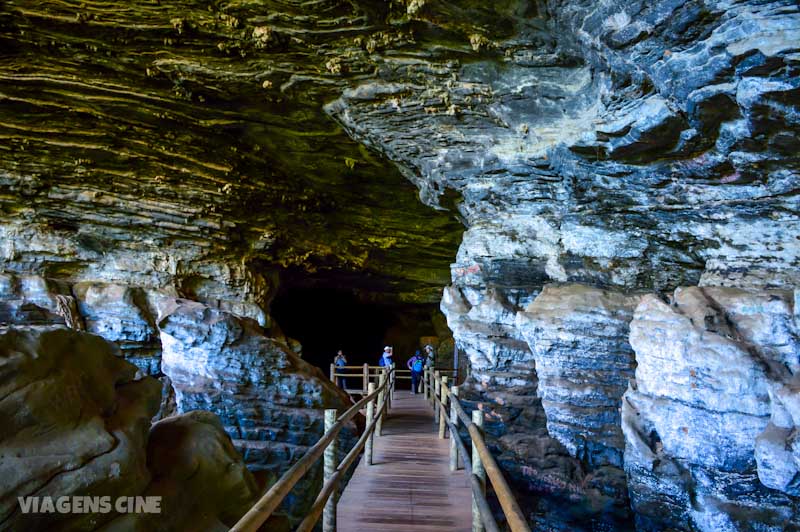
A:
x: 77, y: 504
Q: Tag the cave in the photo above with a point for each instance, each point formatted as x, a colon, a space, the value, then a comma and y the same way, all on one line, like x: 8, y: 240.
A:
x: 591, y: 209
x: 326, y: 320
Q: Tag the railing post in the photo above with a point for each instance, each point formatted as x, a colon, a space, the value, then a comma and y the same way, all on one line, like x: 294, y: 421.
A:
x: 333, y: 374
x: 379, y: 413
x: 370, y: 417
x: 329, y: 468
x: 433, y: 387
x: 454, y: 421
x: 425, y: 382
x: 478, y: 471
x: 388, y: 397
x: 437, y: 391
x: 391, y: 389
x: 365, y: 383
x: 443, y: 398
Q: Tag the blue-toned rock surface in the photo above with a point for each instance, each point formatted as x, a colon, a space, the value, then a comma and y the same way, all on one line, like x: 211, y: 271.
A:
x: 708, y: 434
x: 270, y: 402
x: 593, y: 153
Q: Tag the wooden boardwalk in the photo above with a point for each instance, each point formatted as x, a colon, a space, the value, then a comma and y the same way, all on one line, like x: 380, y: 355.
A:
x: 410, y: 486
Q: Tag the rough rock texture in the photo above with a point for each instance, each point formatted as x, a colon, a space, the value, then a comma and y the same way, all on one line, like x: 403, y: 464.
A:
x: 709, y: 430
x: 551, y: 378
x: 645, y: 144
x: 578, y: 338
x: 270, y: 402
x: 630, y: 146
x: 123, y: 315
x: 198, y: 474
x: 33, y: 302
x: 634, y: 146
x: 180, y: 140
x: 76, y: 423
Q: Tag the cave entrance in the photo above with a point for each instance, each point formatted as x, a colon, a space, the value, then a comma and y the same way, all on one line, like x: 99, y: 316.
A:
x: 325, y: 319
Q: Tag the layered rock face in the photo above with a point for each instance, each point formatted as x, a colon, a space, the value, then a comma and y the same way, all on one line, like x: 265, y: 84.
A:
x: 270, y: 402
x: 629, y: 147
x: 267, y: 399
x: 583, y: 362
x: 634, y: 147
x: 710, y: 419
x: 76, y: 423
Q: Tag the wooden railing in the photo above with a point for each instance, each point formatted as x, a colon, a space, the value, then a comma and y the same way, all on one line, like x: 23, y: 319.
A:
x: 377, y: 401
x: 367, y: 374
x: 482, y: 462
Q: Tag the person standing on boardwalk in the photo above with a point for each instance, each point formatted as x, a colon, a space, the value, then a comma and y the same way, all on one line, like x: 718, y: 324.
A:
x: 417, y: 365
x: 386, y: 357
x: 340, y: 362
x: 431, y: 357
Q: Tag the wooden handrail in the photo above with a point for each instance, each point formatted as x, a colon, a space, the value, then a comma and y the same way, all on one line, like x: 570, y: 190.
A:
x: 477, y: 484
x: 327, y: 489
x: 268, y: 502
x: 513, y: 513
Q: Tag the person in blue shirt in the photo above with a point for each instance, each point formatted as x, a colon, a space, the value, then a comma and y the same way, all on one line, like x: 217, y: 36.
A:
x: 386, y: 357
x: 417, y: 365
x: 340, y: 361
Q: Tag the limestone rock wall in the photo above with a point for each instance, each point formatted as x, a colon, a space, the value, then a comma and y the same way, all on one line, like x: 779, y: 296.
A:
x: 708, y: 431
x: 578, y: 340
x: 633, y: 147
x: 629, y: 147
x: 270, y: 401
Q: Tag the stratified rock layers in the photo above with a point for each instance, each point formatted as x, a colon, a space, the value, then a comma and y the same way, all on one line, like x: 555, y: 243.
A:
x: 270, y: 402
x: 708, y: 436
x: 173, y: 149
x: 578, y: 338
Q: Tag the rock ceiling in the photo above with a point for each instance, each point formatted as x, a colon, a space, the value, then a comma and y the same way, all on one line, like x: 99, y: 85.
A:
x: 195, y: 131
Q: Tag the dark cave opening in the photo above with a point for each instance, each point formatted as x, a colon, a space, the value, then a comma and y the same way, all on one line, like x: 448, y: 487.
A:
x: 326, y: 319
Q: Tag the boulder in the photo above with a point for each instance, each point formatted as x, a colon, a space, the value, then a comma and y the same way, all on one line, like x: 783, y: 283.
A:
x: 75, y: 422
x: 199, y: 475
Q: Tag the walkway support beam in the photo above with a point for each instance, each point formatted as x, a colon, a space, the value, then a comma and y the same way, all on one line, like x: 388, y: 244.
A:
x: 443, y: 413
x: 437, y: 392
x: 381, y: 381
x: 391, y: 388
x: 370, y: 417
x: 479, y: 473
x: 454, y: 424
x: 330, y: 464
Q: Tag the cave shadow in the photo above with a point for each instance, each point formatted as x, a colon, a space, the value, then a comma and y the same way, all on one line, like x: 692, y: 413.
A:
x: 326, y: 319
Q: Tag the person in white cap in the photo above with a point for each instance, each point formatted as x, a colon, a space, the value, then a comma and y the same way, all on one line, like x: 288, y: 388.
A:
x: 386, y: 357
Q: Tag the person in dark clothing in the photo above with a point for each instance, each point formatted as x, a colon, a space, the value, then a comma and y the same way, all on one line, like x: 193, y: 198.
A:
x: 340, y: 361
x: 417, y: 365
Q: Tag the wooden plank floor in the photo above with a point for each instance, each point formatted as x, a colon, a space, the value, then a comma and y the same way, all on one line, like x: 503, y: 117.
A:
x: 410, y: 486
